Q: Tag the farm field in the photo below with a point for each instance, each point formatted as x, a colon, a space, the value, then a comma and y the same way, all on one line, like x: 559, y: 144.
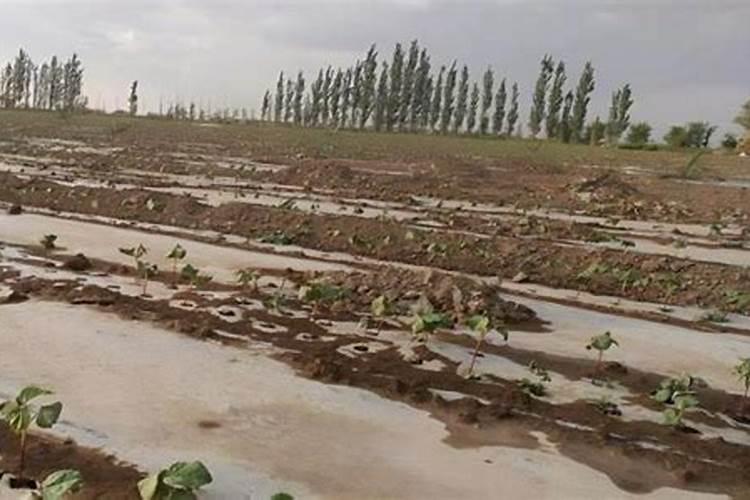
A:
x: 336, y: 314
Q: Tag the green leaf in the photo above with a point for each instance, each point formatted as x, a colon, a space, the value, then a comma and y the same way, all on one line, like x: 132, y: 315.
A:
x: 683, y: 401
x: 59, y: 483
x: 479, y: 323
x: 672, y: 417
x: 177, y: 253
x: 187, y: 475
x: 432, y: 321
x: 663, y: 395
x: 48, y: 415
x: 602, y: 342
x: 379, y: 306
x: 19, y: 419
x: 148, y: 486
x: 30, y: 392
x: 417, y: 325
x: 282, y: 496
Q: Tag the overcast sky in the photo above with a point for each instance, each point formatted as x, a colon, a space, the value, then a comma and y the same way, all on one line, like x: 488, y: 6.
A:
x: 685, y: 59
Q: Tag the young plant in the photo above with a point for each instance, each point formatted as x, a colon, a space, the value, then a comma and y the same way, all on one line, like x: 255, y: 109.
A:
x: 606, y: 407
x: 194, y: 277
x: 277, y: 238
x: 247, y: 276
x: 715, y: 317
x: 537, y: 388
x: 48, y: 242
x: 179, y: 481
x: 682, y: 401
x: 321, y: 293
x: 381, y: 308
x: 176, y: 255
x: 19, y: 415
x: 58, y: 484
x: 669, y: 388
x: 742, y: 370
x: 136, y: 253
x: 601, y: 343
x: 425, y: 324
x: 146, y: 271
x: 480, y: 325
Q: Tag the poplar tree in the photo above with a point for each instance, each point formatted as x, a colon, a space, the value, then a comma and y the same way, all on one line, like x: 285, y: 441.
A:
x: 55, y: 83
x: 595, y: 132
x: 448, y: 99
x: 325, y: 106
x: 299, y: 92
x: 424, y: 119
x: 537, y: 113
x: 619, y: 114
x: 471, y: 120
x: 367, y: 86
x: 72, y: 74
x: 488, y: 84
x: 133, y: 98
x: 394, y: 94
x: 436, y: 107
x: 461, y: 100
x: 407, y: 84
x: 498, y: 116
x: 421, y: 95
x: 315, y: 101
x: 356, y: 94
x: 555, y: 101
x: 346, y: 91
x: 336, y: 90
x: 43, y: 87
x: 566, y: 125
x: 586, y: 85
x: 288, y: 101
x: 278, y: 107
x: 513, y: 111
x: 381, y: 100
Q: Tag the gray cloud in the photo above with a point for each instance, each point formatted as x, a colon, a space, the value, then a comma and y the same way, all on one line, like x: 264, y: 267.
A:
x: 686, y: 59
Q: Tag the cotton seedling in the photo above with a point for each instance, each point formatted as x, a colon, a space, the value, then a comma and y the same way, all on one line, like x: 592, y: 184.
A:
x: 601, y: 343
x: 194, y: 276
x: 425, y: 324
x: 606, y: 407
x: 535, y: 388
x: 179, y: 481
x: 59, y: 484
x: 480, y: 325
x: 146, y: 271
x: 48, y: 242
x: 670, y: 387
x: 176, y: 255
x: 318, y: 294
x: 682, y: 401
x: 715, y: 317
x: 248, y: 276
x: 19, y: 414
x: 381, y: 308
x: 136, y: 253
x: 739, y: 301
